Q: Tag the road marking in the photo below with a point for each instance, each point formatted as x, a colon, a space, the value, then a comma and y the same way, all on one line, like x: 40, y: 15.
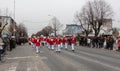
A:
x: 28, y: 69
x: 95, y: 61
x: 26, y: 57
x: 103, y: 57
x: 13, y: 67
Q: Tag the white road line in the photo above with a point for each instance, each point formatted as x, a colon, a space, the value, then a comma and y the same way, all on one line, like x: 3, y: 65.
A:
x: 25, y: 57
x: 28, y: 69
x: 103, y: 57
x: 95, y: 61
x: 13, y: 67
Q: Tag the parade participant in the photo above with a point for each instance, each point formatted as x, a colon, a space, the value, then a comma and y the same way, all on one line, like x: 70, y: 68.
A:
x: 34, y: 41
x: 58, y: 45
x: 66, y: 42
x: 48, y: 42
x: 54, y: 40
x: 42, y: 40
x: 52, y: 43
x: 37, y: 45
x: 61, y: 42
x: 73, y: 43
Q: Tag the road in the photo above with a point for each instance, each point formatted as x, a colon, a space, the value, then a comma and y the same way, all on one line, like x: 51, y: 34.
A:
x: 24, y: 58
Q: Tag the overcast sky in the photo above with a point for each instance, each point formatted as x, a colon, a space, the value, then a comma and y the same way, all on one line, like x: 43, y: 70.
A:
x: 34, y: 13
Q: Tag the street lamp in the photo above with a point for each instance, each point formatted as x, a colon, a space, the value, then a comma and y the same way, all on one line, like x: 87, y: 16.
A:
x: 54, y: 25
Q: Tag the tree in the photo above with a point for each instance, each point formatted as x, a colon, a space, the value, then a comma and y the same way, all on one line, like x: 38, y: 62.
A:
x: 22, y: 30
x: 95, y: 12
x: 45, y: 31
x: 56, y: 25
x: 3, y: 28
x: 83, y: 20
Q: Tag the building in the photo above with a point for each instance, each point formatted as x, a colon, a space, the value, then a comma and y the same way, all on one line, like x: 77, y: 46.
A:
x: 72, y: 29
x: 106, y: 28
x: 10, y: 24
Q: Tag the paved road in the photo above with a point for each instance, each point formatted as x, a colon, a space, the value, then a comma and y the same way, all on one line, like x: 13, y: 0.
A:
x: 24, y: 58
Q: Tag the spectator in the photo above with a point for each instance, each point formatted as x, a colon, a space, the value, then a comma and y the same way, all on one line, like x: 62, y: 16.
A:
x: 1, y: 46
x: 118, y: 43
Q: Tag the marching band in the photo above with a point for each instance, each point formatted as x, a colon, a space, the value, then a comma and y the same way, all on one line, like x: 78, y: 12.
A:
x: 52, y: 43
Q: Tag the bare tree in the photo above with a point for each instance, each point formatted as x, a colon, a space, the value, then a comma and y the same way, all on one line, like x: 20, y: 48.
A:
x: 56, y: 25
x: 95, y: 12
x: 83, y: 19
x: 22, y: 30
x: 3, y: 28
x: 45, y: 31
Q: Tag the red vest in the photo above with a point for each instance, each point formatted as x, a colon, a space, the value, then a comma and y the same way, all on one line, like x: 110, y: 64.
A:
x: 51, y: 41
x: 57, y: 41
x: 61, y: 40
x: 65, y: 40
x: 73, y: 40
x: 37, y: 42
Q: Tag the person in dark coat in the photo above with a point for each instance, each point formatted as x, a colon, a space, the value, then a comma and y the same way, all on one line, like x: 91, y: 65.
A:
x: 12, y: 43
x: 111, y: 43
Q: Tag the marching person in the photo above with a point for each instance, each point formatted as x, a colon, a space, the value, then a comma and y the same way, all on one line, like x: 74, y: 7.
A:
x: 73, y: 43
x: 66, y: 42
x: 34, y: 41
x: 48, y: 42
x: 58, y: 45
x: 61, y: 42
x: 37, y: 45
x: 52, y: 43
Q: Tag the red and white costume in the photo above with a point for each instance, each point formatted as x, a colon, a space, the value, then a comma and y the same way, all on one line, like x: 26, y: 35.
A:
x: 51, y: 41
x: 72, y: 43
x: 33, y: 42
x: 37, y: 45
x: 66, y: 42
x: 61, y: 42
x: 58, y: 45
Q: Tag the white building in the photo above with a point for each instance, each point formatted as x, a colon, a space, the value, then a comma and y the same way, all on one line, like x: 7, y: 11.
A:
x: 106, y: 28
x: 10, y: 25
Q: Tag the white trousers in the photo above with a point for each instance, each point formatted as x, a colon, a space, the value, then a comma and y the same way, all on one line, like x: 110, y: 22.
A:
x: 72, y: 45
x: 58, y: 48
x: 66, y: 45
x: 48, y: 45
x: 52, y: 46
x: 61, y: 45
x: 33, y: 45
x: 37, y: 49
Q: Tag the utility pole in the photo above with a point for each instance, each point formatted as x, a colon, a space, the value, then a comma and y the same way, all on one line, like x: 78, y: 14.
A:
x: 55, y: 26
x: 14, y: 19
x: 14, y: 9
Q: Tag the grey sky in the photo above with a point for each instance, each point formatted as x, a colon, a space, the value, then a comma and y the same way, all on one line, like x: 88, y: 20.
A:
x: 34, y: 13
